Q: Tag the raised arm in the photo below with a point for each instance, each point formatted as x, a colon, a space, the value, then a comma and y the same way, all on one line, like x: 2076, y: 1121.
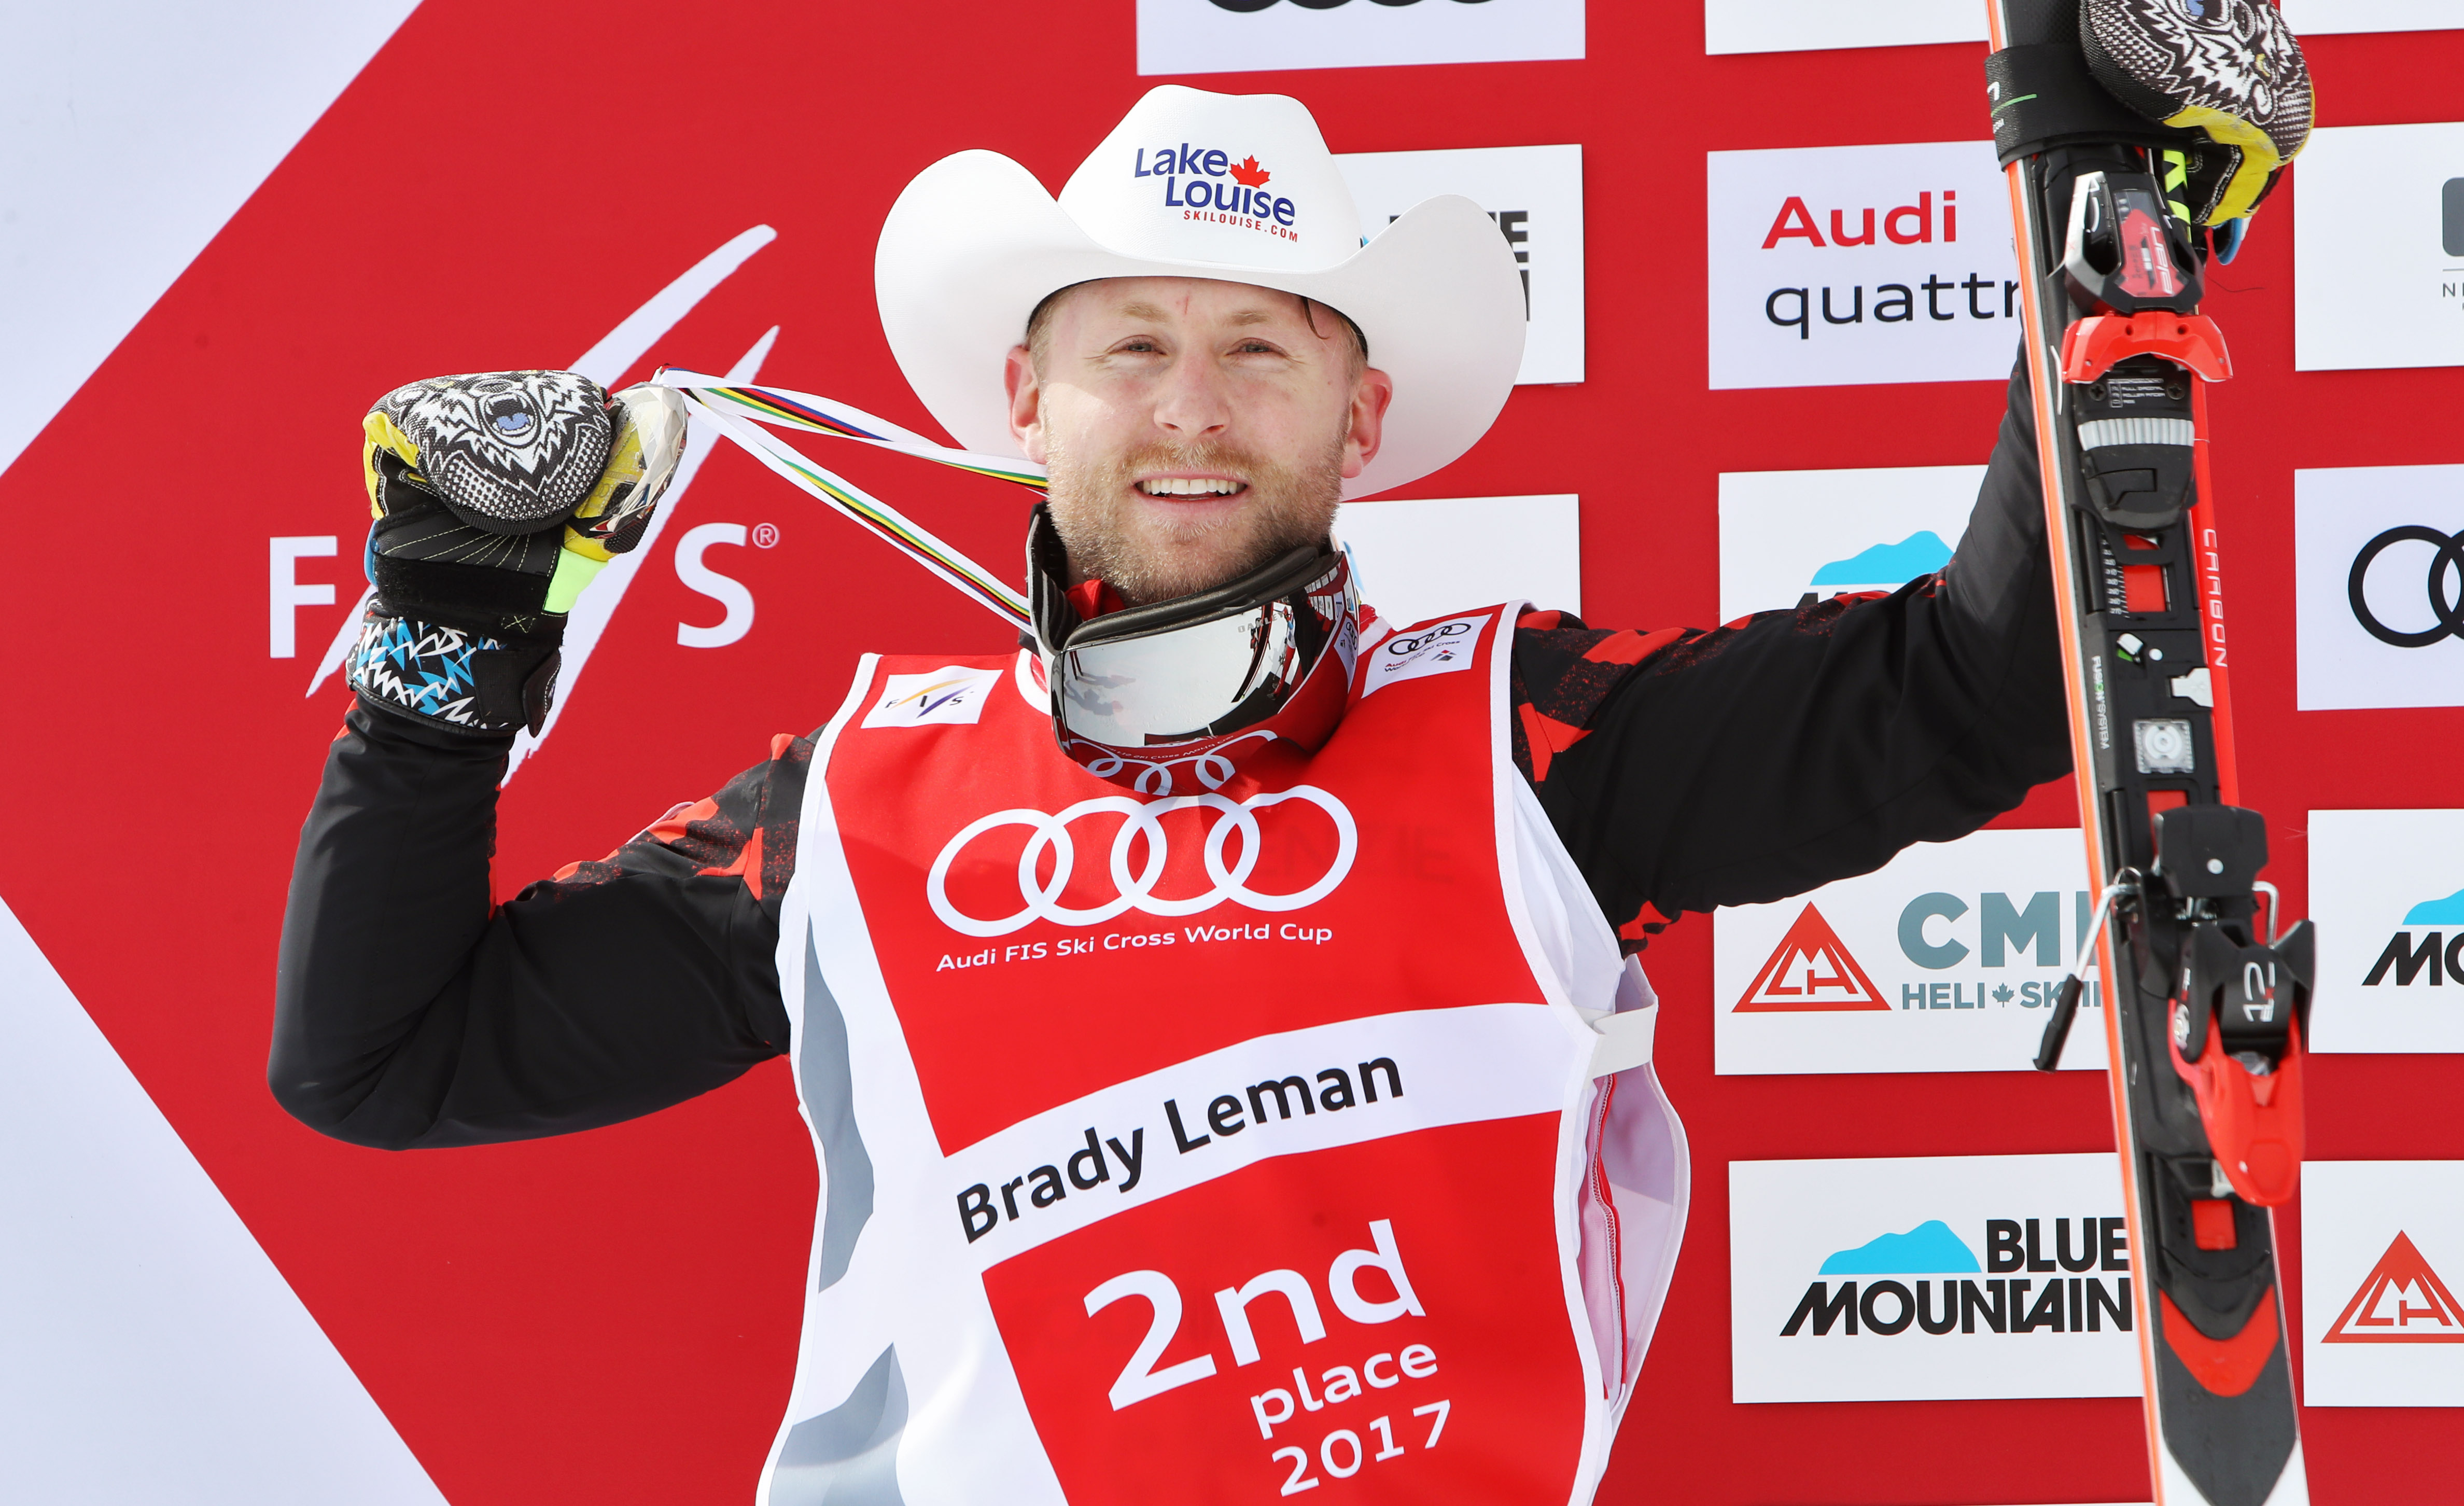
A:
x: 408, y: 1011
x: 1688, y: 769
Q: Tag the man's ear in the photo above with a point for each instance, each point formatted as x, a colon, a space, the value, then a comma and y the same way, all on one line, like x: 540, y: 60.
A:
x: 1025, y: 402
x: 1370, y: 396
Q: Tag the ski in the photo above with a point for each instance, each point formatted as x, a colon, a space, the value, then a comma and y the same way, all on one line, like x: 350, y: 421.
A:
x: 2204, y: 1008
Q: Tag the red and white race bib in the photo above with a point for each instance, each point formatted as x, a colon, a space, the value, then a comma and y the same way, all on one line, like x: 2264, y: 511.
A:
x: 1215, y: 1147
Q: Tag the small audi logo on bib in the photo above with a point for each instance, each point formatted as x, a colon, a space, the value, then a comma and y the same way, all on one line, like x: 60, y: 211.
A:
x: 1228, y: 842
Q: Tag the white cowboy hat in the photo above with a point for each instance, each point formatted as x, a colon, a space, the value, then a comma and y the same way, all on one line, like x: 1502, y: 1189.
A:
x: 1237, y: 187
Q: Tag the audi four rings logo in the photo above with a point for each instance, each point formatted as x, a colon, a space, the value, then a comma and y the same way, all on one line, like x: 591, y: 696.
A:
x: 1246, y: 6
x: 2449, y: 610
x: 1143, y: 819
x: 1401, y: 647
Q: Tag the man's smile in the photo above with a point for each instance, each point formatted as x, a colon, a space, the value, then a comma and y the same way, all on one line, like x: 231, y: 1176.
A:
x: 1191, y: 486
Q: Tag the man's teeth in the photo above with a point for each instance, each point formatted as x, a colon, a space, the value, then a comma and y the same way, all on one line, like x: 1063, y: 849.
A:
x: 1180, y: 486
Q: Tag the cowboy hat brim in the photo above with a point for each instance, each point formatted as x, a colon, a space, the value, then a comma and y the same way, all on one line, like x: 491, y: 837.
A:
x: 974, y: 243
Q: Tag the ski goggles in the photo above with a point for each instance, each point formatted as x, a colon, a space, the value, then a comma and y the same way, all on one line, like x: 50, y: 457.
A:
x: 1181, y: 694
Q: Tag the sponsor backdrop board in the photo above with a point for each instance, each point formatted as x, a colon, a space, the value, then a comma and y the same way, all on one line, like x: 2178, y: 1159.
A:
x: 1213, y: 36
x: 2386, y: 888
x: 1929, y: 1278
x: 1789, y: 26
x: 611, y: 1316
x: 2382, y: 1262
x: 1535, y: 195
x: 2379, y: 248
x: 1946, y: 958
x: 1425, y: 558
x: 2379, y: 586
x: 1786, y: 533
x: 1839, y: 265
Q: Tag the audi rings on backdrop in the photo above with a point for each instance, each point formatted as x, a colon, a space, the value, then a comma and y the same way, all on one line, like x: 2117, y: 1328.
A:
x: 1137, y: 891
x: 2448, y: 558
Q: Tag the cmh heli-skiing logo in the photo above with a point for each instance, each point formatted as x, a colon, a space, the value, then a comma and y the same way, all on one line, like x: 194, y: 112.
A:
x: 2401, y: 1301
x: 1811, y: 970
x: 1048, y: 861
x: 2057, y: 1275
x: 1209, y: 183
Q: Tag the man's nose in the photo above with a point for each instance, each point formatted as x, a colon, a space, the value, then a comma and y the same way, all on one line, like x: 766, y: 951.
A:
x: 1193, y: 403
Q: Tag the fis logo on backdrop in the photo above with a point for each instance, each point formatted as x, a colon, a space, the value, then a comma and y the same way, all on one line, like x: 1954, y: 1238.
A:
x: 1929, y: 1278
x: 1206, y: 183
x: 1534, y: 195
x: 1786, y: 533
x: 2382, y: 1251
x: 1945, y: 960
x: 2378, y: 267
x: 1205, y: 36
x: 2379, y: 586
x: 2386, y: 888
x: 1840, y: 265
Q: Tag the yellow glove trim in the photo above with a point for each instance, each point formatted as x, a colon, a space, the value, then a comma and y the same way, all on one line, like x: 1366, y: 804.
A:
x: 2258, y: 159
x: 574, y: 570
x: 384, y: 434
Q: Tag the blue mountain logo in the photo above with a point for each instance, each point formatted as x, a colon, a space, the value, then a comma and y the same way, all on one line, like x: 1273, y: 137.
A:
x: 2448, y: 911
x: 1930, y: 1248
x: 1920, y: 553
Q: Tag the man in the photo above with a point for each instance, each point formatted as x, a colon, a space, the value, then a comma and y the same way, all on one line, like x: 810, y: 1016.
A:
x: 1218, y: 1024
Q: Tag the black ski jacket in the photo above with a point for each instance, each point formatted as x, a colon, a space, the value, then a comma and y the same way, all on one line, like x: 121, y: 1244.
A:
x: 1683, y: 770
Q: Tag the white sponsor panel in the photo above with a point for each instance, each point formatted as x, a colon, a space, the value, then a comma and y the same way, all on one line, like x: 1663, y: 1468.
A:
x: 1793, y: 26
x: 2386, y: 888
x: 2321, y: 17
x: 2378, y: 563
x: 1441, y: 647
x: 1210, y: 36
x: 1788, y: 25
x: 1946, y: 958
x: 1929, y: 1278
x: 1838, y: 265
x: 2378, y: 248
x: 1418, y: 559
x: 2382, y: 1265
x: 153, y: 1353
x: 1535, y: 195
x: 1786, y: 533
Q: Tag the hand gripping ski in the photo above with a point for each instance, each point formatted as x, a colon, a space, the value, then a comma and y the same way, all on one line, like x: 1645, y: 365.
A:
x: 2138, y: 136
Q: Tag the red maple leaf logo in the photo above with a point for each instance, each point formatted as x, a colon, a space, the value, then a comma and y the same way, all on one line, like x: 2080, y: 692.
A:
x: 1249, y: 174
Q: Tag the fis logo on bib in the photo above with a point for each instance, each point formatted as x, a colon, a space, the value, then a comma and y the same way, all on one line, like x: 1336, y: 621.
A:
x: 949, y: 697
x: 1207, y: 183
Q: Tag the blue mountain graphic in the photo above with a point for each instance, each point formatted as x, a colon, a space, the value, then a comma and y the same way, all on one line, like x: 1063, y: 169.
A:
x: 1918, y: 554
x: 2448, y: 911
x: 1929, y: 1246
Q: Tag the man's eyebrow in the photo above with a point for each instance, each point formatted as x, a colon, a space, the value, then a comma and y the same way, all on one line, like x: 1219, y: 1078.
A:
x: 1142, y: 310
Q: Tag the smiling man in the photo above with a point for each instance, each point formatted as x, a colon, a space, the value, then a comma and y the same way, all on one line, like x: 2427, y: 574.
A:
x: 1219, y: 1020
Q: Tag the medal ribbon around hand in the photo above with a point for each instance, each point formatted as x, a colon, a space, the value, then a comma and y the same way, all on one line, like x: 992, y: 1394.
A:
x: 729, y: 407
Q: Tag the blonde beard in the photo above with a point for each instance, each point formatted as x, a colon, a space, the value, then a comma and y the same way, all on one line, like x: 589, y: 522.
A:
x: 1144, y: 556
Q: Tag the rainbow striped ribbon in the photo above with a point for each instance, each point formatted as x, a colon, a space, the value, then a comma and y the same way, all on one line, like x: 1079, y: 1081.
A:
x: 729, y: 407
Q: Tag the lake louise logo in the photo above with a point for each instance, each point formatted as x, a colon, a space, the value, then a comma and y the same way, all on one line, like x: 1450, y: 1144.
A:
x: 1204, y: 183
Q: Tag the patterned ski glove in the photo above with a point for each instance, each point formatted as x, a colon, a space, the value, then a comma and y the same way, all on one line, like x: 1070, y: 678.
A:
x: 2230, y: 70
x: 496, y: 499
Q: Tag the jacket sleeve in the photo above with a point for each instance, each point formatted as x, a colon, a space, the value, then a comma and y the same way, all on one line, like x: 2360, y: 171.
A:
x: 410, y: 1012
x: 1688, y: 769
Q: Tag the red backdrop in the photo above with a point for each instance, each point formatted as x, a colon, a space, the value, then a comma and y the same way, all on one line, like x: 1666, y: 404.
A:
x: 610, y: 1317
